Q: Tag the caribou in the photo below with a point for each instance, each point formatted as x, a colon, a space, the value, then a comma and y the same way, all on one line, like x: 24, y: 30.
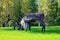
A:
x: 32, y: 17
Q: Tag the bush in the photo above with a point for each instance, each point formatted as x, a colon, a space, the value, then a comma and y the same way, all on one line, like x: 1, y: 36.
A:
x: 58, y: 20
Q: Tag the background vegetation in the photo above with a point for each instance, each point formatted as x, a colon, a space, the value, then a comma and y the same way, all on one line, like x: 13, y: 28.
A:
x: 11, y: 11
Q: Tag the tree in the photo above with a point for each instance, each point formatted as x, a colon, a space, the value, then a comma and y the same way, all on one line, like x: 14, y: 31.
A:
x: 33, y: 6
x: 53, y: 10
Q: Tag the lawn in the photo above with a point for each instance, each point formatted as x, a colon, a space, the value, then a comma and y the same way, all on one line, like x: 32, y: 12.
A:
x: 52, y: 33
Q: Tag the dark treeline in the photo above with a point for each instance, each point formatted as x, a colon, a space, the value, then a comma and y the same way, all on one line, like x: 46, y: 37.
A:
x: 11, y: 11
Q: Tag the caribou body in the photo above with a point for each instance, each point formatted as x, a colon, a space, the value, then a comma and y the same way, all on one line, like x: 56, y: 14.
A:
x: 31, y: 17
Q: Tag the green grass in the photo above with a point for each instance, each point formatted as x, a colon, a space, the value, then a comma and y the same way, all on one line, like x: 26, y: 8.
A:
x: 52, y: 33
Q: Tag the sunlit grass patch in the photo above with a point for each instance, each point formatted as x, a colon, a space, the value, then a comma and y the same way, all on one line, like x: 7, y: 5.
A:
x: 52, y: 33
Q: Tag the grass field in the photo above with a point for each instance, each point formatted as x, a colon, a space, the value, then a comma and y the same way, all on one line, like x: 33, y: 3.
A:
x: 52, y: 33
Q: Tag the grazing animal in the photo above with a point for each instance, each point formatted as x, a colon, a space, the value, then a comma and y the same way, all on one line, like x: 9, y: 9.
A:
x: 31, y: 17
x: 23, y: 24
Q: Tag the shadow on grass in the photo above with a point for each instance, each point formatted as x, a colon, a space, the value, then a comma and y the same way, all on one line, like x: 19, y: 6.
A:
x: 50, y: 31
x: 7, y: 28
x: 35, y: 30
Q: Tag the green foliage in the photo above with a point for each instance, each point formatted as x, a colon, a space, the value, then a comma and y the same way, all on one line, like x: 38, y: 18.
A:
x: 15, y: 10
x: 33, y: 6
x: 58, y: 20
x: 53, y: 11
